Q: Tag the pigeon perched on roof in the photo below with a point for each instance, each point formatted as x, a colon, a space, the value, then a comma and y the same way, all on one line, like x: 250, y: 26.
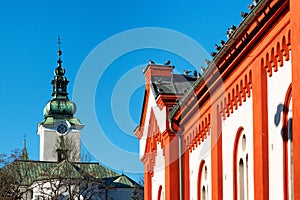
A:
x: 167, y: 62
x: 186, y: 72
x: 151, y: 62
x: 217, y: 47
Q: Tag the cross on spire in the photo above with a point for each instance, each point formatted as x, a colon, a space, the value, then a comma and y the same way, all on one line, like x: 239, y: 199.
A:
x: 59, y: 52
x: 59, y: 43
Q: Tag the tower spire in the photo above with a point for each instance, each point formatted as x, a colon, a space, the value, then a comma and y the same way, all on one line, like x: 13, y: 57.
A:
x: 58, y: 42
x: 24, y: 152
x: 59, y: 82
x: 59, y: 52
x: 59, y: 106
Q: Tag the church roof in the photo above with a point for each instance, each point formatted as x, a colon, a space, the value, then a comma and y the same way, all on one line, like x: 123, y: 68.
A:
x: 27, y: 171
x: 236, y: 40
x: 123, y: 181
x: 174, y: 84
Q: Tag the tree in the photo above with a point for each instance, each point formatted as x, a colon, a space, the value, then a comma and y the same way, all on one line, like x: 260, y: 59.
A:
x: 11, y: 177
x: 67, y: 181
x: 7, y: 159
x: 67, y: 145
x: 25, y: 179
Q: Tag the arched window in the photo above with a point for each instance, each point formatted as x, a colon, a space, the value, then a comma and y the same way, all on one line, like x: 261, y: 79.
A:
x: 203, y: 182
x: 240, y: 167
x: 287, y: 138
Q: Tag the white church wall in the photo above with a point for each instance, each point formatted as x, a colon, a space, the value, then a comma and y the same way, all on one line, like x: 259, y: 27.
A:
x: 202, y: 152
x: 49, y: 141
x: 242, y: 117
x: 73, y: 141
x: 161, y: 117
x: 158, y: 178
x: 278, y: 85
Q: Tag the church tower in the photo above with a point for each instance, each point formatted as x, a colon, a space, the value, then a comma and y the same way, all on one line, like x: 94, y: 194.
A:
x: 59, y: 123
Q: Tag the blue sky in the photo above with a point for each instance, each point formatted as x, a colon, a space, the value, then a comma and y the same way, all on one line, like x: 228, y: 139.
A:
x: 28, y: 36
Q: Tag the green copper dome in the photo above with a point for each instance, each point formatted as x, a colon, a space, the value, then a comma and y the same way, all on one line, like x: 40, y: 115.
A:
x: 59, y: 106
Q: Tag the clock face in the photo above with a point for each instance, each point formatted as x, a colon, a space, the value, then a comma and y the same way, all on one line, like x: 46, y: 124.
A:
x: 62, y: 128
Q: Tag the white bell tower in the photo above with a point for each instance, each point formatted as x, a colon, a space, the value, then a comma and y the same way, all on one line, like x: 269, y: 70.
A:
x: 59, y: 125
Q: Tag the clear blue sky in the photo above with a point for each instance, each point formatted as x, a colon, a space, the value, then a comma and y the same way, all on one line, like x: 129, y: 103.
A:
x: 28, y: 36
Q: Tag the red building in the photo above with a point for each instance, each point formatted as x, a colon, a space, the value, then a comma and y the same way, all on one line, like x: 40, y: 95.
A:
x: 228, y: 134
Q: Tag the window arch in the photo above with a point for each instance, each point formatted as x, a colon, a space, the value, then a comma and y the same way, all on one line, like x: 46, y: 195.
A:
x: 240, y: 166
x: 287, y: 138
x: 202, y: 189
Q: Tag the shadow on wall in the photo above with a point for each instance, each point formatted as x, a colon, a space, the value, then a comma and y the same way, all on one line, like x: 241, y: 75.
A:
x: 286, y: 135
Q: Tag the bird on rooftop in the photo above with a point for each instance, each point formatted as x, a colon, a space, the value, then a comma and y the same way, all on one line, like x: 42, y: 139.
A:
x: 217, y: 47
x: 195, y: 73
x: 244, y: 14
x: 250, y: 6
x: 213, y: 54
x: 167, y: 63
x: 151, y: 62
x: 229, y: 32
x: 255, y: 2
x: 222, y: 42
x: 186, y: 72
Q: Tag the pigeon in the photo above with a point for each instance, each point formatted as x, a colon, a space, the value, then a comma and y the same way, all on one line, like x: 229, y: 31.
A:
x: 186, y: 72
x: 195, y: 73
x: 151, y: 62
x: 213, y: 54
x: 167, y: 63
x: 250, y: 6
x: 244, y: 14
x: 222, y: 42
x: 217, y: 47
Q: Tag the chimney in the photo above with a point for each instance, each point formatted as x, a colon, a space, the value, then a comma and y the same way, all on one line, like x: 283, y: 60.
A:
x: 157, y: 70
